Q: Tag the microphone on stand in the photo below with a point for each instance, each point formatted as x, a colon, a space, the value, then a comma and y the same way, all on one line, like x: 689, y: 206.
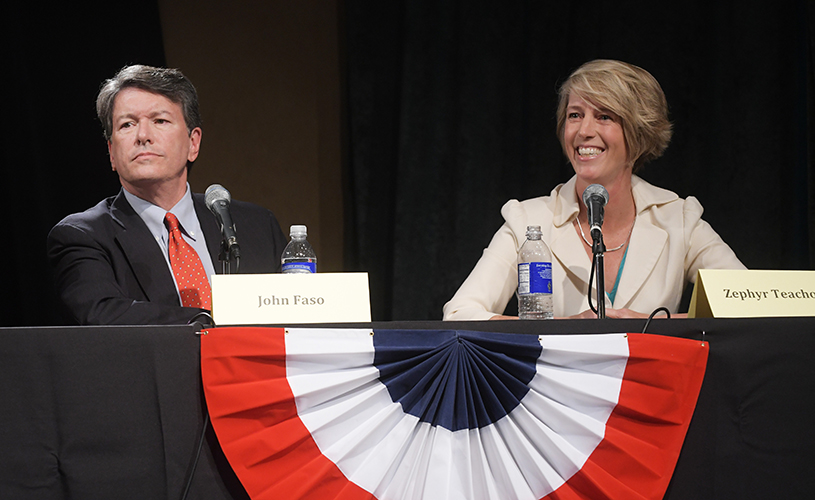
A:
x: 217, y: 199
x: 595, y: 197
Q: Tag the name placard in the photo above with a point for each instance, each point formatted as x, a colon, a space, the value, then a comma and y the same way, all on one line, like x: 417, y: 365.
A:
x: 754, y: 293
x: 263, y: 299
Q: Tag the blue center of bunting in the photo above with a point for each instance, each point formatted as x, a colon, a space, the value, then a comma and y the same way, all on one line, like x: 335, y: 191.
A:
x: 456, y: 379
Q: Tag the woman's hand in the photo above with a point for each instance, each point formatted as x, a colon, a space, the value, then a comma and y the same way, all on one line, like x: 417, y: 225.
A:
x: 611, y: 313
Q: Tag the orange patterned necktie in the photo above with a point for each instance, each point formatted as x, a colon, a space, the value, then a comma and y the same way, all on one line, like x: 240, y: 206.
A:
x: 193, y: 285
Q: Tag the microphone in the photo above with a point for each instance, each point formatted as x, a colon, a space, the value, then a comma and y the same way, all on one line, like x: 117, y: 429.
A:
x: 595, y: 198
x: 217, y: 199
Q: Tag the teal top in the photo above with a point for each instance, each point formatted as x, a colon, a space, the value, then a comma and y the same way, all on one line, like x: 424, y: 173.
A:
x: 613, y: 293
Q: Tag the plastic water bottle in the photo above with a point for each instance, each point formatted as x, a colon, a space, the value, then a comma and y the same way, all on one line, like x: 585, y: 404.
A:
x: 298, y: 256
x: 534, y: 277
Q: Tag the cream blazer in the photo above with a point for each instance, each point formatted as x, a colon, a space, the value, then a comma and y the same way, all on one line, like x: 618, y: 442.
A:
x: 669, y: 243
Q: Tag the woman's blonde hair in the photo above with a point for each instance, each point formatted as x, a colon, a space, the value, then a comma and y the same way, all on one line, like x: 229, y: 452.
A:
x: 631, y: 93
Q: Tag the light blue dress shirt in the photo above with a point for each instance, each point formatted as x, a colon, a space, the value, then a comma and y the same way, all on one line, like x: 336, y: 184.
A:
x: 184, y: 210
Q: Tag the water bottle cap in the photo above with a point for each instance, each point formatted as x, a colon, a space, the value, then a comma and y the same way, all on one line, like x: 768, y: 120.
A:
x: 298, y: 229
x: 533, y: 231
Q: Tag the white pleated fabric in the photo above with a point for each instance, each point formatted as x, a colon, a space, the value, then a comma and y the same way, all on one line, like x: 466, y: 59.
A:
x: 527, y: 454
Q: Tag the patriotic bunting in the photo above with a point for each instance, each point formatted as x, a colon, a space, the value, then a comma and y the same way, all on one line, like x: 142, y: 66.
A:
x: 310, y: 413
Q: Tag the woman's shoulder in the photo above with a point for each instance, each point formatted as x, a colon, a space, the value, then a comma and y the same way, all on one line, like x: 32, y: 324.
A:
x: 531, y: 204
x: 545, y: 211
x: 551, y: 203
x: 666, y: 203
x: 539, y: 209
x: 648, y: 195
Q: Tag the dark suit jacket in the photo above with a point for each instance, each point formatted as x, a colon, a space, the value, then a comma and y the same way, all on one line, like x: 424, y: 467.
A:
x: 108, y: 268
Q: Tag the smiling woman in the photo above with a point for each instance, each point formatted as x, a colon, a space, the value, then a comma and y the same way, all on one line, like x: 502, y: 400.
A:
x: 593, y: 141
x: 612, y: 119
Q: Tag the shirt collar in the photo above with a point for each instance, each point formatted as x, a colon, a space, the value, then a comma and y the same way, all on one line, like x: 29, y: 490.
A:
x: 645, y: 196
x: 153, y: 215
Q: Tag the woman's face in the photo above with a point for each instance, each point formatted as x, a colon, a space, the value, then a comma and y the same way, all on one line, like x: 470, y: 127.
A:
x: 594, y: 142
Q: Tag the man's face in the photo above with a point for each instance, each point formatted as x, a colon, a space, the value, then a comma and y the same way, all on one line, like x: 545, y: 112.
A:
x: 150, y: 145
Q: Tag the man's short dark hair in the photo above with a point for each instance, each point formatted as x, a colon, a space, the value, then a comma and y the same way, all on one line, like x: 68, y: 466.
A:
x: 168, y: 82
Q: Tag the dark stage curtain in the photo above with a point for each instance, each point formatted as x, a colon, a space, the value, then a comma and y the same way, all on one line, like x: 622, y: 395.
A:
x: 451, y: 110
x: 53, y: 156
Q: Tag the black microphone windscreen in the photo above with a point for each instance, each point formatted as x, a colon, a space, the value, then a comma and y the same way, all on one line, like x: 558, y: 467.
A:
x: 595, y: 190
x: 215, y: 193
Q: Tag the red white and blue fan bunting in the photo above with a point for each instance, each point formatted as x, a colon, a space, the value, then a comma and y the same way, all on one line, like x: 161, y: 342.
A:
x: 305, y: 413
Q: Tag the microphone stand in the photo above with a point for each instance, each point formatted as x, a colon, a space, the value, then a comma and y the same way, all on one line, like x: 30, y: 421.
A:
x: 598, y: 248
x: 227, y: 254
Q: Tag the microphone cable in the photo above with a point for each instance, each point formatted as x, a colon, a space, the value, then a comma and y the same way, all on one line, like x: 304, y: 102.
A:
x: 197, y: 456
x: 188, y: 485
x: 654, y: 313
x: 202, y: 320
x: 650, y: 317
x: 591, y: 280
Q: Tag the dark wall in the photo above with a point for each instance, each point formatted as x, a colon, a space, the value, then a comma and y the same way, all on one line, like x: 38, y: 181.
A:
x: 268, y: 78
x: 452, y: 105
x: 52, y: 155
x: 450, y: 113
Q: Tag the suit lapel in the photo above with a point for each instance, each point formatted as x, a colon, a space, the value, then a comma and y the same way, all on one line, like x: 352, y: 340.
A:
x: 142, y: 253
x: 647, y: 244
x: 567, y: 248
x: 565, y: 242
x: 565, y: 245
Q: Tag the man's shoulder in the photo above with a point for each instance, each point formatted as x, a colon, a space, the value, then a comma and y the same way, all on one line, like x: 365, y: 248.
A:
x: 262, y: 239
x: 97, y: 215
x: 249, y: 207
x: 237, y: 207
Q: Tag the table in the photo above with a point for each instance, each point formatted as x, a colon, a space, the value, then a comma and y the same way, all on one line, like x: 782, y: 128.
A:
x: 117, y: 412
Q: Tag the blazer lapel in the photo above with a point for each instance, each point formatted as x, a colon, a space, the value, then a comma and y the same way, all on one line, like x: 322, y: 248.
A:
x: 647, y: 244
x: 142, y: 253
x: 567, y: 249
x: 564, y: 241
x: 566, y: 245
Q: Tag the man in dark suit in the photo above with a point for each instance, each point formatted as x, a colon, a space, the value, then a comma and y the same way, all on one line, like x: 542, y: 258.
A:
x: 112, y: 263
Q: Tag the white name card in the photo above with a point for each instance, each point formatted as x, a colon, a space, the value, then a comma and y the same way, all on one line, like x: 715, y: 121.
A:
x: 754, y: 293
x: 263, y: 299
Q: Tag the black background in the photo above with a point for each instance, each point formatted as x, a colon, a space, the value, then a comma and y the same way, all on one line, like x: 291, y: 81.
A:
x: 450, y: 113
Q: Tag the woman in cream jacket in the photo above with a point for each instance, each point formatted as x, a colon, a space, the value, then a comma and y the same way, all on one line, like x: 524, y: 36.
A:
x: 612, y: 118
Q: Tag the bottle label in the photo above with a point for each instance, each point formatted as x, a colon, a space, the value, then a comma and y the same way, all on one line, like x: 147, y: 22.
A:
x: 300, y: 267
x: 534, y: 277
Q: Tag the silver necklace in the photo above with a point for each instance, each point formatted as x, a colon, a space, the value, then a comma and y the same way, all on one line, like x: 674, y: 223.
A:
x: 583, y: 235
